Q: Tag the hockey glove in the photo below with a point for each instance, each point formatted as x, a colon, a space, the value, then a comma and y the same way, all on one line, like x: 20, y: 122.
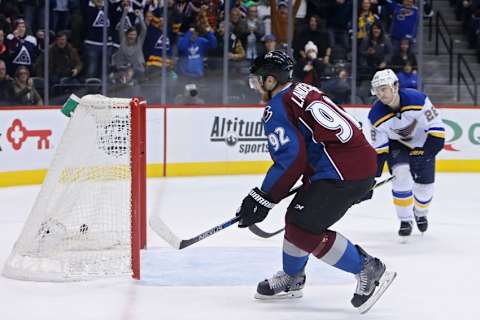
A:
x: 254, y: 208
x: 418, y: 157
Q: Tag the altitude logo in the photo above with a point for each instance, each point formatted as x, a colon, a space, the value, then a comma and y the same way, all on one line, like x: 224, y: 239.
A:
x: 17, y: 134
x: 248, y: 135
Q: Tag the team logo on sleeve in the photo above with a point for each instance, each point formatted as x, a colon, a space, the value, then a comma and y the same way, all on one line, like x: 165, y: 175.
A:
x: 267, y: 114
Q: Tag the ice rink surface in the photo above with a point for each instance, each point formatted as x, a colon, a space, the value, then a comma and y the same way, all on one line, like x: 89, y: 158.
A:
x: 438, y: 273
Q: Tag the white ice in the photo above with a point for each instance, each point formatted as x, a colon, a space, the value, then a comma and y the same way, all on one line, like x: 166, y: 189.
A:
x: 438, y: 273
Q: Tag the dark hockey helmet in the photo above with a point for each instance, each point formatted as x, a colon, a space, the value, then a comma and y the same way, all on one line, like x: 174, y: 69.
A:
x: 275, y: 63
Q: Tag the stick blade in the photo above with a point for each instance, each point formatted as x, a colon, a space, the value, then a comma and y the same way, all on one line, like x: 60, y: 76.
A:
x: 162, y: 230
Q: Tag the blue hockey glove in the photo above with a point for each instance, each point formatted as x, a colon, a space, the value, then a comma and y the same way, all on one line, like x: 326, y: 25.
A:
x: 254, y: 208
x: 418, y: 157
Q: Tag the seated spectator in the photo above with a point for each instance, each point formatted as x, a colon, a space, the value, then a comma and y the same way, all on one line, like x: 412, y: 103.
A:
x: 64, y: 62
x: 316, y: 33
x: 6, y: 86
x: 192, y: 49
x: 131, y: 46
x: 338, y: 88
x: 270, y: 43
x: 366, y: 18
x: 407, y: 77
x: 190, y: 96
x: 403, y: 55
x: 309, y: 69
x: 24, y: 92
x: 375, y: 52
x: 124, y: 83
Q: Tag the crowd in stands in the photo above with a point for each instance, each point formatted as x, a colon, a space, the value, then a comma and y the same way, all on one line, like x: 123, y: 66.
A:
x: 468, y: 11
x: 195, y: 45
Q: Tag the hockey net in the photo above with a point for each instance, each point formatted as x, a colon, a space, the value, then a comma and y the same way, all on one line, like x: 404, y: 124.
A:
x: 88, y: 220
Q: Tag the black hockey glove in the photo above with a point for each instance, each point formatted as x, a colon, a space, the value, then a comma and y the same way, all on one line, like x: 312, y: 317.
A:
x: 366, y: 197
x: 254, y: 208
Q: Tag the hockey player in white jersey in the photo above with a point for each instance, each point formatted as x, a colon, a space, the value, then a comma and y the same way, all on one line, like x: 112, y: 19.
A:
x: 407, y: 132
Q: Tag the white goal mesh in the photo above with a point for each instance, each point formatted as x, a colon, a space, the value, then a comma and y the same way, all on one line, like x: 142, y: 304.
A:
x: 80, y: 225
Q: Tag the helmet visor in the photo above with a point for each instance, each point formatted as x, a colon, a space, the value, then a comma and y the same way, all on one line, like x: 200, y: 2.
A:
x: 255, y: 81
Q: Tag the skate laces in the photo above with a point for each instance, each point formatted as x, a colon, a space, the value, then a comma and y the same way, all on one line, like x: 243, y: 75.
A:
x: 280, y: 280
x: 364, y: 283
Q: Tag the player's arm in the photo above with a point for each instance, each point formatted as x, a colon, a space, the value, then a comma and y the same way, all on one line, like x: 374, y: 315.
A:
x: 431, y: 122
x: 287, y: 149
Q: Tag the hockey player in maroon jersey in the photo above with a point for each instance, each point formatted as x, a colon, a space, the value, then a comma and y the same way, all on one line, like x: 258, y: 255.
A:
x: 312, y: 138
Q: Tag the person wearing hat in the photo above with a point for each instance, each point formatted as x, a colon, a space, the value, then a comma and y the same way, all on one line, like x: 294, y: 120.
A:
x: 309, y: 69
x: 22, y: 46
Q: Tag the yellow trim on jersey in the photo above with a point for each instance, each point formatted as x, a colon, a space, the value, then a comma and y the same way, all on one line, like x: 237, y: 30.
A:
x: 437, y: 134
x: 383, y: 119
x: 408, y: 108
x: 382, y: 150
x: 405, y: 202
x: 421, y: 205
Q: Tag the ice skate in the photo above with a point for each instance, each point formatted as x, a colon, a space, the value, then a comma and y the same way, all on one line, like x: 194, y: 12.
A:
x: 372, y: 282
x: 281, y: 286
x: 405, y: 230
x: 422, y: 223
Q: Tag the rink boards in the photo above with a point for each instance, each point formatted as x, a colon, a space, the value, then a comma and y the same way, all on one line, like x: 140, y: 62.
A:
x: 199, y: 140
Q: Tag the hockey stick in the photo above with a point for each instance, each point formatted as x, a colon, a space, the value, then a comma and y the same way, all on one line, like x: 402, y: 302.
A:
x: 166, y: 234
x: 263, y: 234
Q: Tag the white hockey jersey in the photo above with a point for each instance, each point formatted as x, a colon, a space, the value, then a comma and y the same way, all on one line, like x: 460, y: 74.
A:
x: 410, y: 124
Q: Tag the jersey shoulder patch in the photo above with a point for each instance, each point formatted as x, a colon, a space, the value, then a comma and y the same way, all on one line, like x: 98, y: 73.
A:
x: 379, y: 114
x: 411, y: 100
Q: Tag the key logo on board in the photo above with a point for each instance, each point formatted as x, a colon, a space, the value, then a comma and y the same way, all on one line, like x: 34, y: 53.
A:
x: 17, y: 134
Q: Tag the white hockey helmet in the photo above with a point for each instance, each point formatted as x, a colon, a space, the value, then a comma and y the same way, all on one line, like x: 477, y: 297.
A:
x: 383, y: 77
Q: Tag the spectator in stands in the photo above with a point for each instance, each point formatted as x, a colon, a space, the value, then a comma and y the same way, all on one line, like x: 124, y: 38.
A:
x: 338, y: 22
x: 153, y: 45
x: 64, y: 61
x: 61, y: 14
x: 192, y: 49
x: 6, y: 86
x: 94, y: 21
x: 316, y: 33
x: 256, y: 31
x: 24, y: 92
x: 407, y: 77
x: 366, y: 18
x: 238, y: 25
x: 270, y: 43
x: 404, y: 22
x: 338, y: 88
x: 279, y: 16
x: 190, y: 96
x: 187, y: 10
x: 375, y: 52
x: 4, y: 54
x: 124, y: 84
x: 309, y: 69
x: 22, y: 47
x: 403, y: 55
x: 236, y: 52
x: 131, y: 46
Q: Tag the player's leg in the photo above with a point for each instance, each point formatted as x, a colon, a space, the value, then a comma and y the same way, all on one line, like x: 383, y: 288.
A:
x: 424, y: 178
x: 402, y: 186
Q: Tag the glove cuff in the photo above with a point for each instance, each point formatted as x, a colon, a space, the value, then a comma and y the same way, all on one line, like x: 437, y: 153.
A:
x: 257, y: 195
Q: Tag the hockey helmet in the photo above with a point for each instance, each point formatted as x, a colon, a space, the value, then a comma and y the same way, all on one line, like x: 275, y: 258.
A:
x: 275, y: 63
x: 382, y: 78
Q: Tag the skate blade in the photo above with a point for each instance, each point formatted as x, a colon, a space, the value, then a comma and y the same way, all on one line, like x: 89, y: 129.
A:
x: 384, y: 282
x: 280, y: 296
x: 404, y: 239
